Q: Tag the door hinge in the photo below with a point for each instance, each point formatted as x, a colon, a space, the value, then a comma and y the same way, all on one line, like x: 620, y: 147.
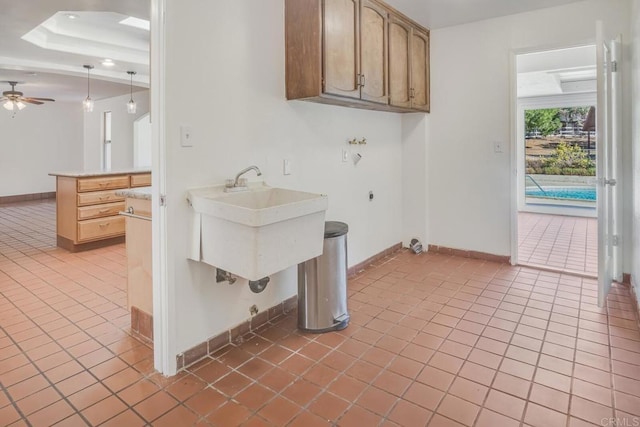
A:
x: 614, y: 66
x: 615, y: 240
x: 163, y: 200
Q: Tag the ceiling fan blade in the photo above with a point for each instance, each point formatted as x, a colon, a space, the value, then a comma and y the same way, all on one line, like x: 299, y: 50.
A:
x: 31, y: 101
x: 39, y: 99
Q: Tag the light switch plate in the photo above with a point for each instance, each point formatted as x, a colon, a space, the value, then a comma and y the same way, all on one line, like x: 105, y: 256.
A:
x: 186, y: 136
x: 286, y: 167
x: 345, y: 155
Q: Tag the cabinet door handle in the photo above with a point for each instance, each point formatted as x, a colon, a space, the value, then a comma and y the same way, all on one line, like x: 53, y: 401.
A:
x: 362, y: 80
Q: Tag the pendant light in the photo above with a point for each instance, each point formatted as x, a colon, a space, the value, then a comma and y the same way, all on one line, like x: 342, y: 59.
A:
x: 87, y: 104
x: 131, y: 105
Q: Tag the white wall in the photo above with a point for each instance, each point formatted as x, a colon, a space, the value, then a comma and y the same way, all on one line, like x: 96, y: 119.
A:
x: 415, y: 181
x: 469, y: 185
x: 142, y: 142
x: 225, y: 77
x: 38, y: 140
x: 121, y: 130
x: 635, y: 138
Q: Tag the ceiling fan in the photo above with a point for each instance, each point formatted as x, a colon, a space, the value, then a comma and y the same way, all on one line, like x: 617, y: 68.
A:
x: 13, y: 99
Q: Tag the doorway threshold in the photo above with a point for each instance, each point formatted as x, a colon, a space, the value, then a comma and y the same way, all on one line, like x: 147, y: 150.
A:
x: 559, y: 270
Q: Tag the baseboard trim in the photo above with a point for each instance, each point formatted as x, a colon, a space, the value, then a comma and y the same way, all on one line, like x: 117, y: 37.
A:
x: 68, y: 244
x: 469, y: 254
x: 634, y: 298
x: 142, y: 323
x: 352, y: 271
x: 213, y: 344
x: 27, y: 197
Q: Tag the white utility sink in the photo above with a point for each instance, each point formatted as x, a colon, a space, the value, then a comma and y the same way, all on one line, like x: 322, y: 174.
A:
x: 256, y: 232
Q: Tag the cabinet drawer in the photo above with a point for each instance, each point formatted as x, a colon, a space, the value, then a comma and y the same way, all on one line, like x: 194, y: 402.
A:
x: 98, y: 211
x: 96, y: 197
x: 94, y: 229
x: 142, y: 180
x: 103, y: 183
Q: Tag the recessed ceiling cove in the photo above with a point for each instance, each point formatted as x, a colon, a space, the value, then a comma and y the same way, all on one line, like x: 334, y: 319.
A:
x: 96, y: 34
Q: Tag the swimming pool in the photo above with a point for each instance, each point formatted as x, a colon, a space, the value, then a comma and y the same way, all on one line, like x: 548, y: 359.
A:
x: 563, y: 193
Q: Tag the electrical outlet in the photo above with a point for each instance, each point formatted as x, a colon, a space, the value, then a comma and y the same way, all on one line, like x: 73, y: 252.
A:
x: 345, y: 155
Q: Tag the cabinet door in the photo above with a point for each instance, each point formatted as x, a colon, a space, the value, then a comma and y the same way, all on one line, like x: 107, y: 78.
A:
x: 419, y: 71
x: 373, y: 52
x: 399, y: 67
x: 340, y: 50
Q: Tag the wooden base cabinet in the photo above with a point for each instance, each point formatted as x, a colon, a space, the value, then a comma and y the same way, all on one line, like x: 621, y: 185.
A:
x: 342, y: 52
x: 87, y: 209
x: 139, y: 267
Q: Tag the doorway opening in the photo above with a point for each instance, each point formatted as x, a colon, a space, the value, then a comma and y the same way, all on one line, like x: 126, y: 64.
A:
x: 556, y: 160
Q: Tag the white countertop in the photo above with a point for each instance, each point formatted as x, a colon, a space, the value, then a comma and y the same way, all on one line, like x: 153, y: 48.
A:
x: 90, y: 173
x: 143, y: 193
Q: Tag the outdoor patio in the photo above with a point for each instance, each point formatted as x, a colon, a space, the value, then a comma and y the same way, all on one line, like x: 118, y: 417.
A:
x: 560, y: 242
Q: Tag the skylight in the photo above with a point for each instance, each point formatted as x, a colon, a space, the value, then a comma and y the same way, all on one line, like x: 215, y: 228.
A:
x: 143, y: 24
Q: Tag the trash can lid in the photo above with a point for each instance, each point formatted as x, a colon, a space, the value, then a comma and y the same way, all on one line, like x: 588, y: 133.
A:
x: 335, y: 229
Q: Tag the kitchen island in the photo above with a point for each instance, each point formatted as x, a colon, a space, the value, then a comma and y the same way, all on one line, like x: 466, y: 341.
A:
x: 87, y: 206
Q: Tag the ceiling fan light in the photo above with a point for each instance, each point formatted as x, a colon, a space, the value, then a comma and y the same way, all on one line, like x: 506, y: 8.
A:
x: 87, y: 104
x: 8, y: 105
x: 20, y: 105
x: 131, y: 107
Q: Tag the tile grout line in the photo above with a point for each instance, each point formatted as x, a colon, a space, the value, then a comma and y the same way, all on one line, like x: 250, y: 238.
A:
x: 46, y: 378
x: 13, y: 402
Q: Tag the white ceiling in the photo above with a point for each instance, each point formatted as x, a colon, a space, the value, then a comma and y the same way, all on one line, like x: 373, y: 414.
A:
x: 60, y: 74
x: 557, y: 72
x: 58, y: 70
x: 435, y: 14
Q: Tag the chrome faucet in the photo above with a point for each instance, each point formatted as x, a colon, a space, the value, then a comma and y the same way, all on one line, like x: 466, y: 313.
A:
x: 242, y: 172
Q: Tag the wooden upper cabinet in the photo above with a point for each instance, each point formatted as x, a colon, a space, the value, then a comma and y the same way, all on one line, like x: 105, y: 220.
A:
x: 356, y: 53
x: 341, y: 48
x: 373, y: 52
x: 399, y: 65
x: 408, y: 66
x: 420, y: 70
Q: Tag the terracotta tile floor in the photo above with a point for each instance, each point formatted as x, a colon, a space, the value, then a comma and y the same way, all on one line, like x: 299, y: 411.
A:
x: 560, y: 242
x: 434, y: 340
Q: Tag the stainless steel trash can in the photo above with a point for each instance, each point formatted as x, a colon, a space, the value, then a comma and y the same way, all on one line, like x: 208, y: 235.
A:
x: 322, y: 284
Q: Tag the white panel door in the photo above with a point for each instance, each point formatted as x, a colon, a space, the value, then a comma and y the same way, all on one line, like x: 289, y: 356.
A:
x: 607, y: 144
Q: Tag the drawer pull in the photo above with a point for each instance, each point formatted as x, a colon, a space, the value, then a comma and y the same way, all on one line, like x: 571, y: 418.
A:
x: 104, y: 224
x: 104, y: 210
x: 107, y: 197
x: 104, y: 184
